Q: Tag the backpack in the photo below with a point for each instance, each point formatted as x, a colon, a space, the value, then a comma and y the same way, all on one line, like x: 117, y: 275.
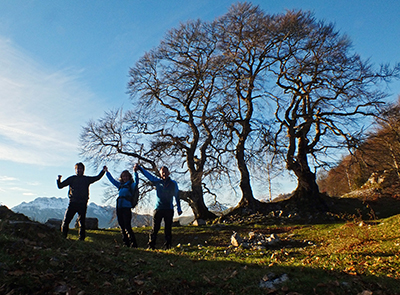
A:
x: 134, y: 194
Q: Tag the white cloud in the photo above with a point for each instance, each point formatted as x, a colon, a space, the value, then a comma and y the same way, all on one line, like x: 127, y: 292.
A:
x: 19, y: 189
x: 29, y: 194
x: 7, y: 178
x: 41, y: 110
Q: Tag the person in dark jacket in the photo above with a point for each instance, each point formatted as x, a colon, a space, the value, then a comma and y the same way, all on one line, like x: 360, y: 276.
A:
x: 167, y: 190
x: 78, y: 197
x: 126, y: 186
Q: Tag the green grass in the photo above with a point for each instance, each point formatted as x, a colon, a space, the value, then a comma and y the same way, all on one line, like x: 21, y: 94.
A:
x: 342, y: 258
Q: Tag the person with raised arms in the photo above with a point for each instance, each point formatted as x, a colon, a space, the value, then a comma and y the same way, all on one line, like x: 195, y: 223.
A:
x: 78, y: 194
x: 166, y: 191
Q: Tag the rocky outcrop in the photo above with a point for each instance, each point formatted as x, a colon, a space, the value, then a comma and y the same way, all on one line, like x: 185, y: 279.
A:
x: 255, y: 241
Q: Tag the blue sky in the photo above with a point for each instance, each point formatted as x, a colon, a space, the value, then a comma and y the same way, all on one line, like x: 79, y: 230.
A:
x: 65, y: 62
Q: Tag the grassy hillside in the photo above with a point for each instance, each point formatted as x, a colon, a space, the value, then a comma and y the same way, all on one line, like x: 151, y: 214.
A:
x: 343, y: 258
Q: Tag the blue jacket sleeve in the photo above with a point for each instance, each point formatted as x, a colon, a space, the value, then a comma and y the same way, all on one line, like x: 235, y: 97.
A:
x: 112, y: 180
x: 177, y: 199
x: 135, y: 180
x: 149, y: 176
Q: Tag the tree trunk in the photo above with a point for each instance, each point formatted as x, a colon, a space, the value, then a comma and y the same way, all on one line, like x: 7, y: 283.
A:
x: 307, y: 192
x: 248, y: 200
x: 195, y: 197
x: 197, y: 205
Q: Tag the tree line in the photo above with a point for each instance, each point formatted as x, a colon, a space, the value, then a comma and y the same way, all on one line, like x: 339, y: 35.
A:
x: 377, y: 154
x: 220, y: 101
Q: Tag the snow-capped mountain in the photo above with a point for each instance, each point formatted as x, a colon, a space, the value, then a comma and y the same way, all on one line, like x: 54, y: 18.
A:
x: 43, y: 208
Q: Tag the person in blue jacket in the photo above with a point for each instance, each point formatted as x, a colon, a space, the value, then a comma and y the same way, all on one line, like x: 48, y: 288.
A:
x: 166, y: 190
x: 126, y: 186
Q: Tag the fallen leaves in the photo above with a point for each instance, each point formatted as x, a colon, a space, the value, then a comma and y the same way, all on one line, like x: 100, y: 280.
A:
x: 97, y: 267
x: 16, y: 273
x: 138, y: 282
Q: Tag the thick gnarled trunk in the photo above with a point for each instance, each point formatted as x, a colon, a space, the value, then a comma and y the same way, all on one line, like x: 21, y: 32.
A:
x: 307, y: 192
x: 197, y: 205
x: 247, y: 200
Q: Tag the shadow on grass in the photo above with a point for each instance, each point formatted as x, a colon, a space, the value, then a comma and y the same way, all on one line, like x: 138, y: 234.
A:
x: 187, y: 270
x: 99, y: 267
x: 36, y: 260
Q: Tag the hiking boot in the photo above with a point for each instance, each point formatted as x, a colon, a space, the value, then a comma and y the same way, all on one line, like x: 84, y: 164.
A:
x: 167, y: 246
x: 133, y: 242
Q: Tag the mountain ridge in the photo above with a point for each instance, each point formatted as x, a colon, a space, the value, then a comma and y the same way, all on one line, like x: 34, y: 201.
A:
x: 43, y: 208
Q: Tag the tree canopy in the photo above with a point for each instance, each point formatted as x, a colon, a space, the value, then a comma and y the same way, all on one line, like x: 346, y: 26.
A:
x: 216, y: 101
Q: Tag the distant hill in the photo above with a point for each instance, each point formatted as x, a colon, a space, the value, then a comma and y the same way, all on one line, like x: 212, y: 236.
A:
x: 43, y: 208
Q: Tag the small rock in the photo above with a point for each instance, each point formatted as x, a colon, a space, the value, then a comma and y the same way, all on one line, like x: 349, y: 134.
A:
x: 236, y: 240
x: 199, y: 222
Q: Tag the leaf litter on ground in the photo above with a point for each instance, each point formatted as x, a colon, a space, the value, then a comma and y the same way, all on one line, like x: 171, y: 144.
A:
x: 340, y: 258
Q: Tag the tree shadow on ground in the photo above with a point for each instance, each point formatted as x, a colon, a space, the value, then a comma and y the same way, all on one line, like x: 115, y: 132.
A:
x: 36, y: 260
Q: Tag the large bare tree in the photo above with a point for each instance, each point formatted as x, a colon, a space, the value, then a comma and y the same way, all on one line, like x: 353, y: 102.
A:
x: 215, y: 92
x: 246, y: 38
x: 324, y: 93
x: 172, y: 119
x: 174, y: 87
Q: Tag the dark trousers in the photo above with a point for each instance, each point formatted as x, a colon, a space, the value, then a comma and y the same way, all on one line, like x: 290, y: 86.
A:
x: 159, y: 215
x: 73, y: 208
x: 124, y: 216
